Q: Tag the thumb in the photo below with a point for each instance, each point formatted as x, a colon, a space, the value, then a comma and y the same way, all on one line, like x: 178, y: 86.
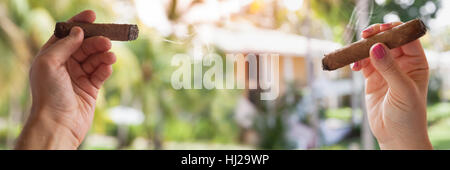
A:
x: 64, y: 48
x: 385, y: 64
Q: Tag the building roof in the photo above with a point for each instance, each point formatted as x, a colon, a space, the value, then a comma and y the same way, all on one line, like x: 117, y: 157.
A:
x: 257, y: 40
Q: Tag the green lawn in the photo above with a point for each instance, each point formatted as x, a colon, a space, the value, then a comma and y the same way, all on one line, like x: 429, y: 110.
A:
x: 440, y: 134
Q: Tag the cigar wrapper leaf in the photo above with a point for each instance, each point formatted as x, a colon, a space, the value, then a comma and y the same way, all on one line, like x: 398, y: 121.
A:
x: 396, y: 37
x: 115, y: 32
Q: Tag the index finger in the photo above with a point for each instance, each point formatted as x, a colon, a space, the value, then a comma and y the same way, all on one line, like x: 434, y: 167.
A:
x: 370, y: 31
x: 410, y: 49
x: 87, y: 16
x: 377, y: 28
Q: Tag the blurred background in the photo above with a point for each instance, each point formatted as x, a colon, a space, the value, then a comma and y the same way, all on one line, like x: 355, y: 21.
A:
x: 139, y: 109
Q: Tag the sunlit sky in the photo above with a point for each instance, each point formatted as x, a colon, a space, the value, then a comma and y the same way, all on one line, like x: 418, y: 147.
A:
x: 443, y: 15
x: 153, y: 15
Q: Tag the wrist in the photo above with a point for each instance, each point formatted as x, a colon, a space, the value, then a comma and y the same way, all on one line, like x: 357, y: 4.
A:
x: 42, y: 133
x: 415, y: 144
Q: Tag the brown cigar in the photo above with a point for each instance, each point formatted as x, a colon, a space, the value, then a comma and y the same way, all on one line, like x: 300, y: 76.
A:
x: 393, y: 38
x: 117, y: 32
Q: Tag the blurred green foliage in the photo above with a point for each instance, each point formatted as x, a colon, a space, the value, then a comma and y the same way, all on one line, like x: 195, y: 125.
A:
x: 141, y: 79
x: 438, y: 112
x: 343, y: 15
x: 340, y: 113
x: 439, y: 134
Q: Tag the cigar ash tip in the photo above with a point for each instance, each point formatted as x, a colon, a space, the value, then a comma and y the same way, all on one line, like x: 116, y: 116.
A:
x: 133, y: 32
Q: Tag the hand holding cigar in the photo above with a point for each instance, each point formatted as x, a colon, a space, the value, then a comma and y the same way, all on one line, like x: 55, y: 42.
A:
x: 65, y: 78
x: 396, y: 85
x: 357, y: 51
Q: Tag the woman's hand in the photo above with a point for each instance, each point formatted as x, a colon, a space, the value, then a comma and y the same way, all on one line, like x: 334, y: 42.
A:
x: 65, y: 78
x: 396, y: 92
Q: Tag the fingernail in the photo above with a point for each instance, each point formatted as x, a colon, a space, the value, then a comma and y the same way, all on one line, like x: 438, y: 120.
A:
x: 356, y: 65
x: 386, y: 25
x: 379, y: 51
x: 368, y: 30
x: 74, y: 32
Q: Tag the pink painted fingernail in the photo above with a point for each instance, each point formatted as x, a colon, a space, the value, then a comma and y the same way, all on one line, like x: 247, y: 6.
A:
x: 368, y: 30
x: 379, y: 51
x: 386, y: 25
x: 356, y: 65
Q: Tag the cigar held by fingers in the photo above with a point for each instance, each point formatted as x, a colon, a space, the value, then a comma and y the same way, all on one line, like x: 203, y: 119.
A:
x: 396, y: 37
x: 115, y: 32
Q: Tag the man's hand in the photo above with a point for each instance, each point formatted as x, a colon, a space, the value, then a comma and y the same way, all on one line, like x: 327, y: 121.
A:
x: 396, y: 92
x: 65, y: 77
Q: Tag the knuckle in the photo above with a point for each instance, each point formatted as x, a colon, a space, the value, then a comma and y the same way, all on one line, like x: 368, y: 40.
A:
x: 48, y: 61
x: 390, y: 67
